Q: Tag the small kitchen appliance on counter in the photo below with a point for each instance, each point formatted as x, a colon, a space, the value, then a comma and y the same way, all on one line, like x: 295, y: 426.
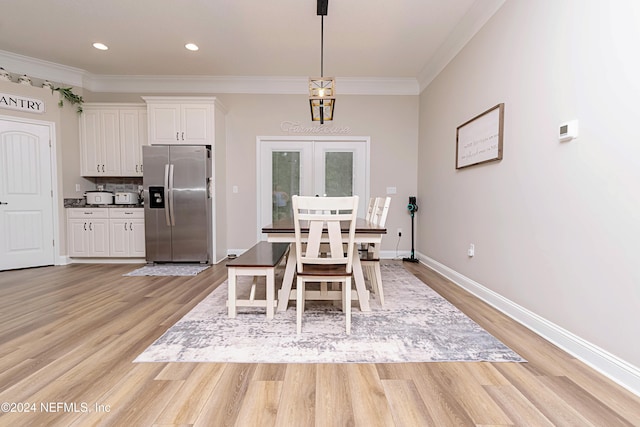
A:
x: 99, y: 197
x: 126, y: 198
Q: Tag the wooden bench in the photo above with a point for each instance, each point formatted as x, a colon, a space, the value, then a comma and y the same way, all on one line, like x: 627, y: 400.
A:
x: 261, y: 260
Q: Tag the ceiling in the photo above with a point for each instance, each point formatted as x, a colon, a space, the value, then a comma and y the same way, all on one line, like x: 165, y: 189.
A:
x: 401, y: 39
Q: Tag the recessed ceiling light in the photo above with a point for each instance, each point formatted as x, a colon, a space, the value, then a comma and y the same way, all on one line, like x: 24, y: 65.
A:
x: 191, y: 46
x: 100, y: 46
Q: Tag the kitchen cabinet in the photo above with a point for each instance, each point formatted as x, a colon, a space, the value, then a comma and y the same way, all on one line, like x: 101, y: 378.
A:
x: 182, y: 120
x: 126, y: 232
x: 105, y: 232
x: 133, y: 135
x: 111, y: 139
x: 99, y: 153
x: 88, y: 232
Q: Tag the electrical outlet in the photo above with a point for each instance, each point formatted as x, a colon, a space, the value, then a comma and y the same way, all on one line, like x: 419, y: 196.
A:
x: 472, y: 250
x: 78, y: 188
x: 399, y: 232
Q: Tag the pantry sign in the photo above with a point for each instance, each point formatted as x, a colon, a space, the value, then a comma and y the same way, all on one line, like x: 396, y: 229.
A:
x: 20, y: 103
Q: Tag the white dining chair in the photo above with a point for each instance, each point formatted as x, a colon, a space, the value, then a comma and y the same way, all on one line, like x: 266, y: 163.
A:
x: 370, y: 259
x: 322, y: 217
x: 380, y: 210
x: 371, y: 208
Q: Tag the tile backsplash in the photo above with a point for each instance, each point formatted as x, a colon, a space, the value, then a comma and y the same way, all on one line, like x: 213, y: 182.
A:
x: 115, y: 184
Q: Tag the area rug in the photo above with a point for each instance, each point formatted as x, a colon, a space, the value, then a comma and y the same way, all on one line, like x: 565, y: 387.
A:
x: 415, y: 325
x: 168, y: 270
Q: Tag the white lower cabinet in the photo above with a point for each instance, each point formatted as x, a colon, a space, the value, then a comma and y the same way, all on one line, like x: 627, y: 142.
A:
x: 105, y: 232
x: 126, y: 232
x: 88, y: 232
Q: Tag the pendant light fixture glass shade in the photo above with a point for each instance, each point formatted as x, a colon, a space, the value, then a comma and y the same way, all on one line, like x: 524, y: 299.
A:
x: 322, y: 98
x: 322, y: 90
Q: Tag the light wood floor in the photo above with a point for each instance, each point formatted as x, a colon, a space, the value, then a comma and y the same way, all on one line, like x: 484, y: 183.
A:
x: 68, y: 336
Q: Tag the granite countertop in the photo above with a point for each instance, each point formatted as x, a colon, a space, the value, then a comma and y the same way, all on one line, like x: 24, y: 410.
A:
x: 82, y: 203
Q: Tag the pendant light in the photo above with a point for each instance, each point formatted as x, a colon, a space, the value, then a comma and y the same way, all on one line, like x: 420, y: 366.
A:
x: 322, y: 89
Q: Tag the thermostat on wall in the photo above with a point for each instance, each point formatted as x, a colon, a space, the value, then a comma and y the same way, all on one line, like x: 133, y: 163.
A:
x: 568, y: 130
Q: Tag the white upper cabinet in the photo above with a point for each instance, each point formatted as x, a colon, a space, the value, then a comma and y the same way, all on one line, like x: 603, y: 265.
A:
x: 111, y: 139
x: 182, y: 120
x: 133, y: 135
x: 98, y: 153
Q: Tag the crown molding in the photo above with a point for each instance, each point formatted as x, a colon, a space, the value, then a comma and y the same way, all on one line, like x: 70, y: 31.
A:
x: 40, y: 69
x: 33, y: 67
x: 475, y: 18
x: 247, y: 85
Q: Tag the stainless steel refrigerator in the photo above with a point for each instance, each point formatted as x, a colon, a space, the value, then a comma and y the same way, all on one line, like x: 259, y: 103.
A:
x: 177, y: 203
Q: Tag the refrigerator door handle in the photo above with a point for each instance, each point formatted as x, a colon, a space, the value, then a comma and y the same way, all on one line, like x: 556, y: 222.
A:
x: 166, y: 195
x: 171, y: 210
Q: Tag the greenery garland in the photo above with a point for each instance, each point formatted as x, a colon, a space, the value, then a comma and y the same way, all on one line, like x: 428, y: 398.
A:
x: 67, y: 93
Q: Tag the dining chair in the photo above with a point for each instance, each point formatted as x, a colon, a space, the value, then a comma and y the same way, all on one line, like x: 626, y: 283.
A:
x: 381, y: 210
x: 370, y: 259
x: 322, y: 216
x: 371, y: 208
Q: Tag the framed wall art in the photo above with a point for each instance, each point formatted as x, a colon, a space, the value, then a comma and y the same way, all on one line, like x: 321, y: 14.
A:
x: 480, y: 139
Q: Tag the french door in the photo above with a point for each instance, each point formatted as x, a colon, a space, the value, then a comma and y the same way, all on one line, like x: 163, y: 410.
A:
x: 26, y: 196
x: 329, y: 166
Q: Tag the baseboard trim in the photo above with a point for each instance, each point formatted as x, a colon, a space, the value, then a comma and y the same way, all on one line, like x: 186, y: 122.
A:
x: 618, y: 370
x: 106, y: 261
x: 394, y: 254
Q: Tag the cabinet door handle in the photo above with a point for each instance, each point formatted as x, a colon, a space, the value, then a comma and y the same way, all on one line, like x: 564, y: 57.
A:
x: 125, y: 226
x: 130, y: 226
x: 183, y: 136
x: 102, y: 168
x: 98, y: 168
x: 136, y: 168
x: 4, y: 203
x: 90, y: 229
x: 85, y: 226
x: 177, y: 139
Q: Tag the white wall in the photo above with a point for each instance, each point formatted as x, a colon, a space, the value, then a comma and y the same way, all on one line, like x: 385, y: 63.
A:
x: 556, y: 226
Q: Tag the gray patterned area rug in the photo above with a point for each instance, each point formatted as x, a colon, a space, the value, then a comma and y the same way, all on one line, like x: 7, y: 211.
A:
x: 168, y: 270
x: 415, y: 325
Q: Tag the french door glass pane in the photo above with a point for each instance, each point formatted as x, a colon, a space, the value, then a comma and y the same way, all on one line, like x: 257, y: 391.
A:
x: 285, y: 182
x: 338, y: 177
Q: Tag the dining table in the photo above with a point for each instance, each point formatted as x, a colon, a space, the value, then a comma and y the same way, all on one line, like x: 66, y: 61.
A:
x: 283, y: 231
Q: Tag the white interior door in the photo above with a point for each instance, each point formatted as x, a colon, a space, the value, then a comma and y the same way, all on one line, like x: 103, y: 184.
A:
x: 309, y: 166
x: 26, y: 209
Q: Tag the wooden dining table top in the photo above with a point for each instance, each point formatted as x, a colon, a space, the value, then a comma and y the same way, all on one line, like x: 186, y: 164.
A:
x: 285, y: 226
